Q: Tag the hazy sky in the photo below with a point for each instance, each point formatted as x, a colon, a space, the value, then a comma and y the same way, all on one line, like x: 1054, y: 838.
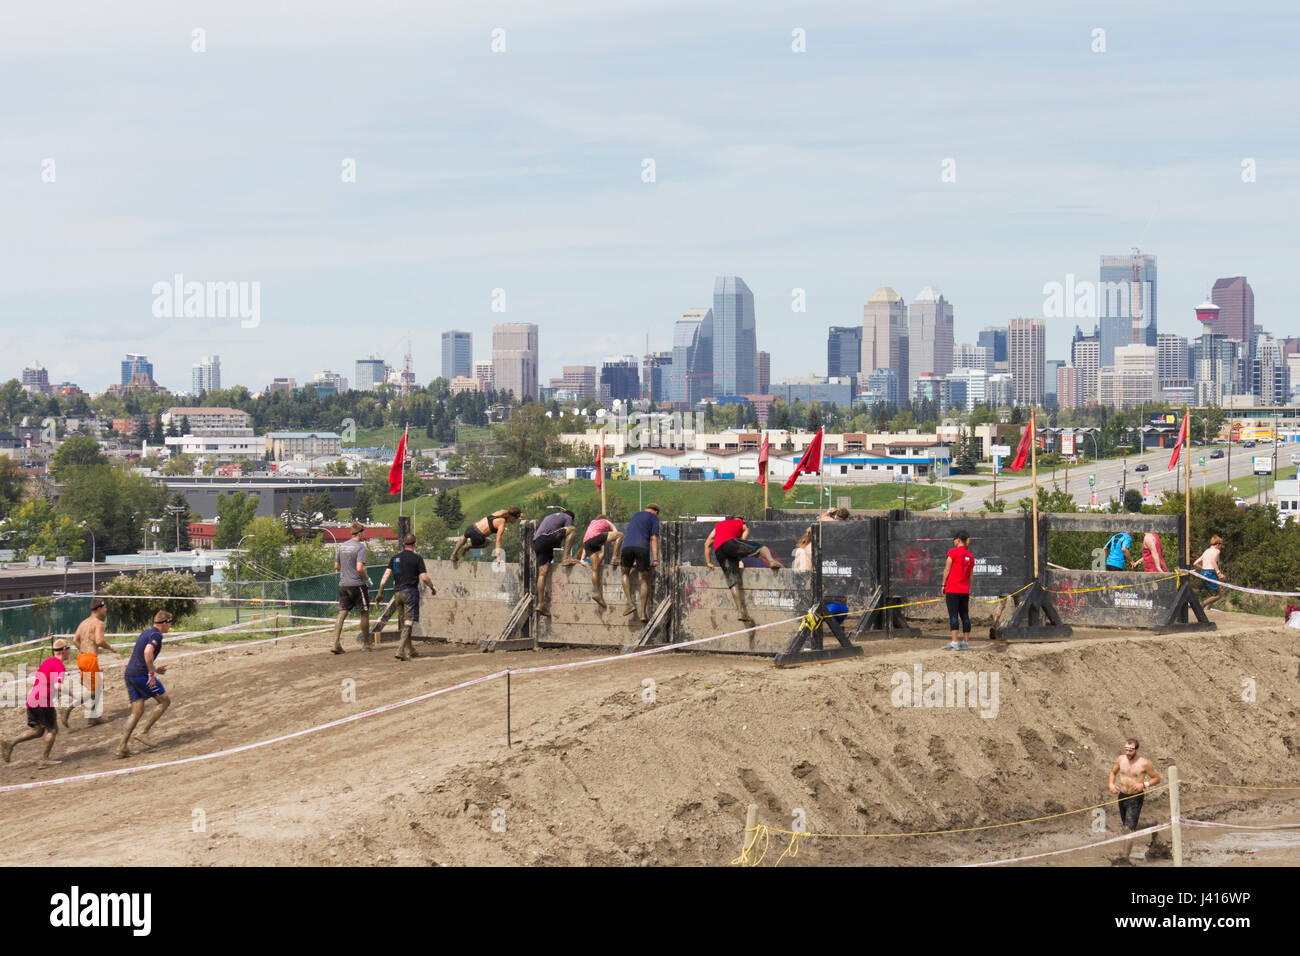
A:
x: 523, y: 170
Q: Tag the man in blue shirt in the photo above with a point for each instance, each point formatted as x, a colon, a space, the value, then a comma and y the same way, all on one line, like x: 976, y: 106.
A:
x: 640, y: 552
x: 554, y: 531
x: 142, y: 683
x: 1117, y: 558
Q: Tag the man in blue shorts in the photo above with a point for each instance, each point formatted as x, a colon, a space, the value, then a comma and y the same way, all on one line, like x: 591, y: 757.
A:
x: 142, y: 683
x: 640, y: 552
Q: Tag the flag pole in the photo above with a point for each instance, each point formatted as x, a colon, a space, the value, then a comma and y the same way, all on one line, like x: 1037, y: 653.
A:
x: 1187, y: 501
x: 767, y: 478
x: 600, y: 464
x: 1033, y: 459
x: 401, y: 488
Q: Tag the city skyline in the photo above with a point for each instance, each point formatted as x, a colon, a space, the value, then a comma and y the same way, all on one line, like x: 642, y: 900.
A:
x: 527, y: 178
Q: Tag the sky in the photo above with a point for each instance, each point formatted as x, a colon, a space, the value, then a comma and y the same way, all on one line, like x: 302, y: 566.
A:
x: 985, y: 151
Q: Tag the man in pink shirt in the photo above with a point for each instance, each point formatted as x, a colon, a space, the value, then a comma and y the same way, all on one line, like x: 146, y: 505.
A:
x: 600, y: 532
x: 40, y: 703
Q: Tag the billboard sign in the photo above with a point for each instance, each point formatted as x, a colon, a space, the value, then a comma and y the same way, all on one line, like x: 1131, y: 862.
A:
x: 1263, y: 464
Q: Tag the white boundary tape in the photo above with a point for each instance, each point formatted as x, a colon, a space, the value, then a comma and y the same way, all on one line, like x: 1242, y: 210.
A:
x: 1075, y: 849
x: 1237, y: 587
x: 177, y: 637
x: 369, y: 713
x: 1238, y: 826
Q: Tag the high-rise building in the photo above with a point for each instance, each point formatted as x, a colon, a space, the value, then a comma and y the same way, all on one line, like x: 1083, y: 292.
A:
x: 515, y: 359
x: 1271, y: 375
x: 1026, y: 357
x: 205, y: 375
x: 1132, y: 379
x: 484, y: 375
x: 370, y: 373
x: 134, y: 365
x: 578, y: 383
x: 621, y: 375
x: 1172, y: 358
x: 1085, y: 356
x: 691, y: 378
x: 1216, y: 368
x: 994, y: 338
x: 1051, y: 368
x: 933, y: 388
x: 973, y: 356
x: 1066, y: 389
x: 971, y: 384
x: 929, y: 336
x: 1126, y: 309
x: 884, y: 335
x: 329, y: 383
x: 764, y: 372
x: 457, y: 354
x: 1000, y: 390
x: 844, y: 352
x: 36, y: 380
x: 1236, y: 320
x: 882, y: 387
x: 656, y: 367
x: 735, y: 343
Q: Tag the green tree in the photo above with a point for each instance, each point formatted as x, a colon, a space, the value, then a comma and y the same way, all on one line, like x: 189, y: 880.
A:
x: 309, y: 558
x: 35, y: 528
x: 13, y: 400
x: 11, y: 485
x: 114, y: 501
x: 263, y: 558
x: 167, y: 592
x: 75, y: 452
x: 363, y: 505
x: 235, y: 512
x: 179, y: 465
x: 1132, y: 500
x: 178, y: 521
x: 432, y: 535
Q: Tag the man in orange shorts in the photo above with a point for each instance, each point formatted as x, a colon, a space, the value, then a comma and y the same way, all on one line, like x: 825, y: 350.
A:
x: 88, y: 639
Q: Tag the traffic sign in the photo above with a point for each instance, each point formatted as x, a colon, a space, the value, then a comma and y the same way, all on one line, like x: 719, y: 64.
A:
x: 1202, y: 461
x: 1092, y: 479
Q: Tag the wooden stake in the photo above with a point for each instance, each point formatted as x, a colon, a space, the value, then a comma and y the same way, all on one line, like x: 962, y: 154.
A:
x: 1175, y: 812
x: 751, y: 823
x: 1033, y: 466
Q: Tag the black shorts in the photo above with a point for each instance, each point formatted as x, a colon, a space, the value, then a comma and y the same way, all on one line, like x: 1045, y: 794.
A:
x: 731, y: 554
x: 1129, y: 808
x: 636, y: 557
x: 476, y: 537
x: 41, y: 717
x: 355, y: 596
x: 545, y: 545
x: 592, y: 545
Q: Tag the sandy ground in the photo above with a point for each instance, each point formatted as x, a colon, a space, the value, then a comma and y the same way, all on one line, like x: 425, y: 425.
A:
x: 604, y: 771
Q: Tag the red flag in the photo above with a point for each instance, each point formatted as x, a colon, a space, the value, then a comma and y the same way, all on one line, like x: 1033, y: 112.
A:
x: 398, y: 468
x: 810, y: 463
x: 1022, y: 450
x: 762, y: 462
x: 1178, y: 447
x: 600, y: 463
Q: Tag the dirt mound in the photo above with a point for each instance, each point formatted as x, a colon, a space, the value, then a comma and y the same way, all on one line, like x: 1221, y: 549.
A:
x: 653, y: 761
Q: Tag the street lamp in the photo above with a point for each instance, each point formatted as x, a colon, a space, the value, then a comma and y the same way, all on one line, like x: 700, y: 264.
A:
x: 92, y: 555
x: 237, y: 547
x: 176, y: 511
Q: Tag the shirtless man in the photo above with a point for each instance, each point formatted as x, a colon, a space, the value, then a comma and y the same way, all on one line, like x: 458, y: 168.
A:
x: 476, y: 535
x: 1209, y: 564
x: 1130, y: 778
x: 88, y: 639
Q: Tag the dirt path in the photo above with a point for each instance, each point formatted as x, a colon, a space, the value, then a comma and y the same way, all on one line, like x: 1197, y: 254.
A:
x: 603, y: 771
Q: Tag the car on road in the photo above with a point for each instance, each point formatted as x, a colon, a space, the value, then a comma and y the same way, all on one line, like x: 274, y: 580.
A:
x: 1217, y: 453
x: 1248, y: 444
x: 1240, y: 502
x: 1142, y: 467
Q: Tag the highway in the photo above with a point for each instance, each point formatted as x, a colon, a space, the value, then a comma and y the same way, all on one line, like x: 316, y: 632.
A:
x: 1113, y: 473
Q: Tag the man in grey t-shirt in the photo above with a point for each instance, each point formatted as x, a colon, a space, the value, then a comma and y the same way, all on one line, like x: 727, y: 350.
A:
x: 354, y: 586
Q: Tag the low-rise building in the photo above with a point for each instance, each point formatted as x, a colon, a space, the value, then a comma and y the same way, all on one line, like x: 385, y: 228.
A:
x: 299, y: 446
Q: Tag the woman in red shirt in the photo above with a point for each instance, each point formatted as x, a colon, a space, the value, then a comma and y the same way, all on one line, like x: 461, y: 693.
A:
x: 957, y: 572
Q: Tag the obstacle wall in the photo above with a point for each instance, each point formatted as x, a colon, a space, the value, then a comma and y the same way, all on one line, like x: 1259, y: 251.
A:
x: 474, y: 600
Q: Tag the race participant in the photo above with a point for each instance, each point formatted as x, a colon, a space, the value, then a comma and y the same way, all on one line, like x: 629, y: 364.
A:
x: 142, y: 683
x: 1117, y: 556
x: 89, y: 638
x: 1131, y: 777
x: 640, y: 551
x: 354, y: 587
x: 1210, y: 564
x: 408, y: 572
x: 556, y: 530
x: 41, y: 719
x: 476, y: 535
x: 729, y: 540
x: 1153, y: 555
x: 600, y: 532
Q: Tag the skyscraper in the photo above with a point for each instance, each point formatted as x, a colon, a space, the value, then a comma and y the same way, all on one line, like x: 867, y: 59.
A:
x: 1172, y: 359
x: 994, y: 338
x: 369, y: 373
x: 515, y: 359
x: 205, y: 375
x: 764, y: 372
x: 135, y: 365
x: 884, y: 335
x: 1126, y: 310
x: 735, y: 348
x: 457, y: 354
x: 36, y: 380
x: 691, y: 377
x: 656, y: 368
x: 844, y: 353
x: 929, y: 336
x: 972, y: 356
x: 1026, y: 356
x: 619, y: 374
x: 1085, y: 355
x: 1236, y: 301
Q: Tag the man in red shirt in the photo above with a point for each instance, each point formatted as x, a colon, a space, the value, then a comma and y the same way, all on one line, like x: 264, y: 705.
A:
x: 957, y: 571
x: 40, y: 703
x: 729, y: 540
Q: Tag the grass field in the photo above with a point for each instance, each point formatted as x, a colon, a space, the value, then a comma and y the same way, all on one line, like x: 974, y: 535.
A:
x: 676, y: 498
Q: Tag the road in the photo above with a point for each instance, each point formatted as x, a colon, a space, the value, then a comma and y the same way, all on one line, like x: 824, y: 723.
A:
x: 1115, y: 474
